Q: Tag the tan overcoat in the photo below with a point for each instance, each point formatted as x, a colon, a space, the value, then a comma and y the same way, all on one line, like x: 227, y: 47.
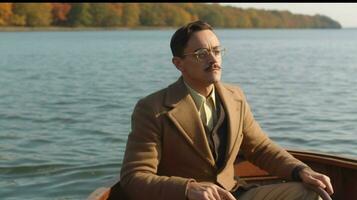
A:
x: 167, y: 146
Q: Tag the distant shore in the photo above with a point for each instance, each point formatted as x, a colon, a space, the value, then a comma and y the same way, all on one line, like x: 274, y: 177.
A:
x: 59, y: 28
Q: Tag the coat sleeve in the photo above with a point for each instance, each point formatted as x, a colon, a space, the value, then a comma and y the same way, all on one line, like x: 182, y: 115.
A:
x: 138, y: 175
x: 258, y: 148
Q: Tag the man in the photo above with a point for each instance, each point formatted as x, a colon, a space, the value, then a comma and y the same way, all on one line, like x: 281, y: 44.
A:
x: 186, y: 137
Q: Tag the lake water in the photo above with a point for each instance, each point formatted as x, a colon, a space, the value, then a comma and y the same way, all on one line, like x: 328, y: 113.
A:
x: 67, y: 97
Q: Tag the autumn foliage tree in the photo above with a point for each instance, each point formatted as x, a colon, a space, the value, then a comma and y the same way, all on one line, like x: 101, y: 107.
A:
x: 131, y: 14
x: 175, y: 15
x: 152, y: 14
x: 104, y: 14
x: 34, y: 14
x: 5, y: 13
x: 59, y: 13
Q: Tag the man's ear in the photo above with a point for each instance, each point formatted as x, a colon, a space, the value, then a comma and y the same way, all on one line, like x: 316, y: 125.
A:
x: 178, y: 63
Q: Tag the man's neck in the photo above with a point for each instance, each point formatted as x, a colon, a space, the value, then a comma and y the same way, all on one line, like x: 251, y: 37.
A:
x: 204, y: 90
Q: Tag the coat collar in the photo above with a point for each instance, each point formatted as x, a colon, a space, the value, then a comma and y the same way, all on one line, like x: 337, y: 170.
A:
x: 192, y: 129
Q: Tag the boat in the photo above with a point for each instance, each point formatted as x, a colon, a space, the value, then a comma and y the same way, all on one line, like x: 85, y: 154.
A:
x: 341, y: 170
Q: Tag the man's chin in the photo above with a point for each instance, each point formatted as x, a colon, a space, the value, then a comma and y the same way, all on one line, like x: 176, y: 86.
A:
x: 215, y: 79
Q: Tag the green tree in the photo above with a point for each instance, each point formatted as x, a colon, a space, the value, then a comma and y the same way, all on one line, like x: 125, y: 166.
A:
x: 104, y: 14
x: 190, y: 8
x: 176, y: 15
x: 80, y: 15
x: 242, y: 18
x: 131, y: 14
x: 152, y: 15
x: 229, y: 17
x: 279, y: 20
x: 254, y: 18
x: 326, y: 22
x: 18, y: 20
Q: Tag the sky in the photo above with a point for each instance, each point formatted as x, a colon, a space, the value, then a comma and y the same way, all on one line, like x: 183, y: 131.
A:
x: 344, y: 13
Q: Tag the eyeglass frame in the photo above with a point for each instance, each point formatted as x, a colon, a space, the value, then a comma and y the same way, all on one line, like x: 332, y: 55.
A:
x: 210, y: 51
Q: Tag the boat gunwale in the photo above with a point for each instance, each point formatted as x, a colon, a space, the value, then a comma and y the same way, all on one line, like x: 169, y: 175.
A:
x: 323, y: 158
x: 247, y: 170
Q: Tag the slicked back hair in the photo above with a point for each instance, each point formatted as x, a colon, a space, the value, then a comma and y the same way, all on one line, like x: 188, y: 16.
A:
x: 182, y: 35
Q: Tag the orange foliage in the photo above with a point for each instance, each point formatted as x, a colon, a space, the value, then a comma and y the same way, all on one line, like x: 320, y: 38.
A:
x: 118, y: 7
x: 59, y: 12
x: 5, y: 13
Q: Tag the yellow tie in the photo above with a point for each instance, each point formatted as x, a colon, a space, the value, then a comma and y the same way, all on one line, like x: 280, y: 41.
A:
x: 208, y: 109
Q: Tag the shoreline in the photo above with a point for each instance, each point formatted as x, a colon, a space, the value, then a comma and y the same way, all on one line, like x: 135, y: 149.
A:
x: 69, y: 29
x: 74, y: 29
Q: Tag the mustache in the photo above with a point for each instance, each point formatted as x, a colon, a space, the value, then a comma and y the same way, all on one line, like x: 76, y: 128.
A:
x: 212, y: 67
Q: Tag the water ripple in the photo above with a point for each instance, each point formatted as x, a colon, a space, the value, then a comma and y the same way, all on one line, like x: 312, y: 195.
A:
x: 66, y: 105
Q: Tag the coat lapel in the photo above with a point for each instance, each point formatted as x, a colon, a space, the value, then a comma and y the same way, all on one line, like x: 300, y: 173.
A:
x: 185, y: 117
x: 233, y: 108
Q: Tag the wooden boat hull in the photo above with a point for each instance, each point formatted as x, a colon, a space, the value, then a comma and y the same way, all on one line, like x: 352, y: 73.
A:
x: 342, y: 172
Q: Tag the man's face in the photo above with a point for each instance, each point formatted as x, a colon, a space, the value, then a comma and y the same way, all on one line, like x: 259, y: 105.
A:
x: 207, y: 69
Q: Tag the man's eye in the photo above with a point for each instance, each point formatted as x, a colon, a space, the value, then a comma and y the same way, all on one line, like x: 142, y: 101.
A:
x: 217, y: 51
x: 203, y: 54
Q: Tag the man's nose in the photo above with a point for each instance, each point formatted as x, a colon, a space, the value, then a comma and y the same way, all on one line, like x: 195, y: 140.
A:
x: 212, y: 58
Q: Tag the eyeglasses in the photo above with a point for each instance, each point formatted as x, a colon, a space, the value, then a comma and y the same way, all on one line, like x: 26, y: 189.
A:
x: 204, y: 53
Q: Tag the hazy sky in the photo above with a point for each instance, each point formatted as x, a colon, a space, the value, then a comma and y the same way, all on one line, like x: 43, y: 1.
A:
x: 344, y: 13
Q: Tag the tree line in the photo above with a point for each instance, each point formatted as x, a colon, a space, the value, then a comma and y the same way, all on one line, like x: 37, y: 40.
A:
x: 152, y: 15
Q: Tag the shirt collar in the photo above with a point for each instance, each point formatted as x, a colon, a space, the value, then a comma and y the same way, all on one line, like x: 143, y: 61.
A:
x: 199, y: 99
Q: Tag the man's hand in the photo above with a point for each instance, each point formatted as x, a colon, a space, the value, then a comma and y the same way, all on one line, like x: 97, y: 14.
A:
x: 309, y: 176
x: 207, y: 191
